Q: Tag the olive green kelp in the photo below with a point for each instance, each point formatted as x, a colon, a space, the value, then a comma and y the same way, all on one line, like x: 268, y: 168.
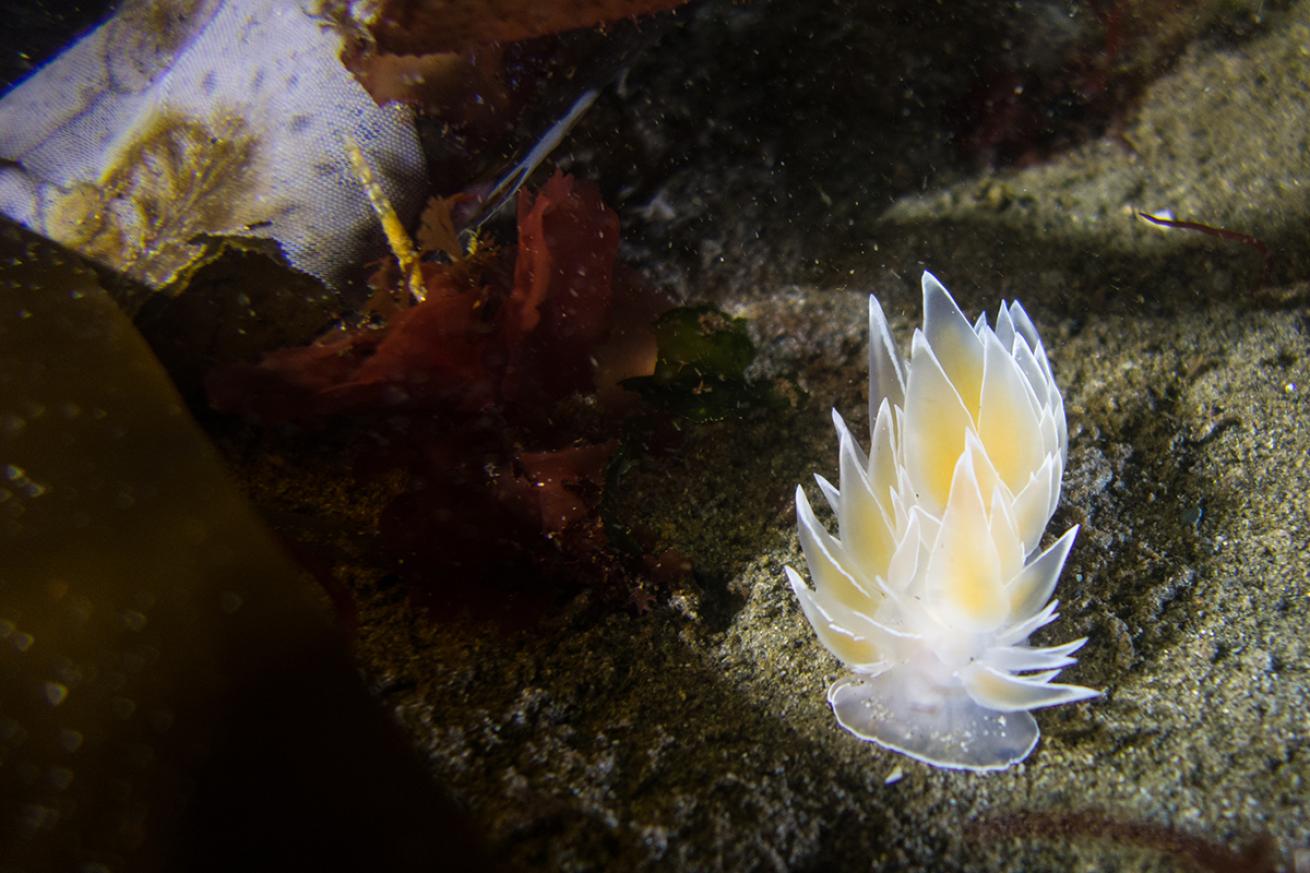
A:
x: 172, y: 692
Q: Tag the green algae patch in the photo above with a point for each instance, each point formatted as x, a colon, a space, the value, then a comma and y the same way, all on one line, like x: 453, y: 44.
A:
x: 700, y: 372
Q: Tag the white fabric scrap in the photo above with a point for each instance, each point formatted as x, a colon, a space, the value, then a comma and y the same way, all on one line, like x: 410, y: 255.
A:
x: 273, y: 66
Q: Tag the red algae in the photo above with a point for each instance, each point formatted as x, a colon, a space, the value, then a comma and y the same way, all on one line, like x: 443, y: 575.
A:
x: 563, y: 286
x: 409, y: 27
x: 1194, y: 851
x: 463, y: 349
x: 473, y: 394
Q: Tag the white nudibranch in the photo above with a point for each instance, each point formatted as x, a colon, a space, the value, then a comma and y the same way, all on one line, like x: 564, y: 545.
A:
x: 935, y: 582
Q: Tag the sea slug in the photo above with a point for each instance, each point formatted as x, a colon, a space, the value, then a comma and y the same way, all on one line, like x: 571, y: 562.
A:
x: 936, y: 581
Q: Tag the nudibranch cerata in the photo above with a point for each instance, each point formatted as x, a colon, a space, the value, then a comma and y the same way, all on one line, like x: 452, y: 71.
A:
x: 935, y: 580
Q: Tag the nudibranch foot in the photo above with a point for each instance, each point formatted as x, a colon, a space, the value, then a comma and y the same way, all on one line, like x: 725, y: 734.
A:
x: 943, y: 726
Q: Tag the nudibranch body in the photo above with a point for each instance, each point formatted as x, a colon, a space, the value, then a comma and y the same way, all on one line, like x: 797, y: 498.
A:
x: 935, y: 580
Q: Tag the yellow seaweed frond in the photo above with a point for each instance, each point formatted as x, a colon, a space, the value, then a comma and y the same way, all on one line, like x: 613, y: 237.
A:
x: 397, y: 238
